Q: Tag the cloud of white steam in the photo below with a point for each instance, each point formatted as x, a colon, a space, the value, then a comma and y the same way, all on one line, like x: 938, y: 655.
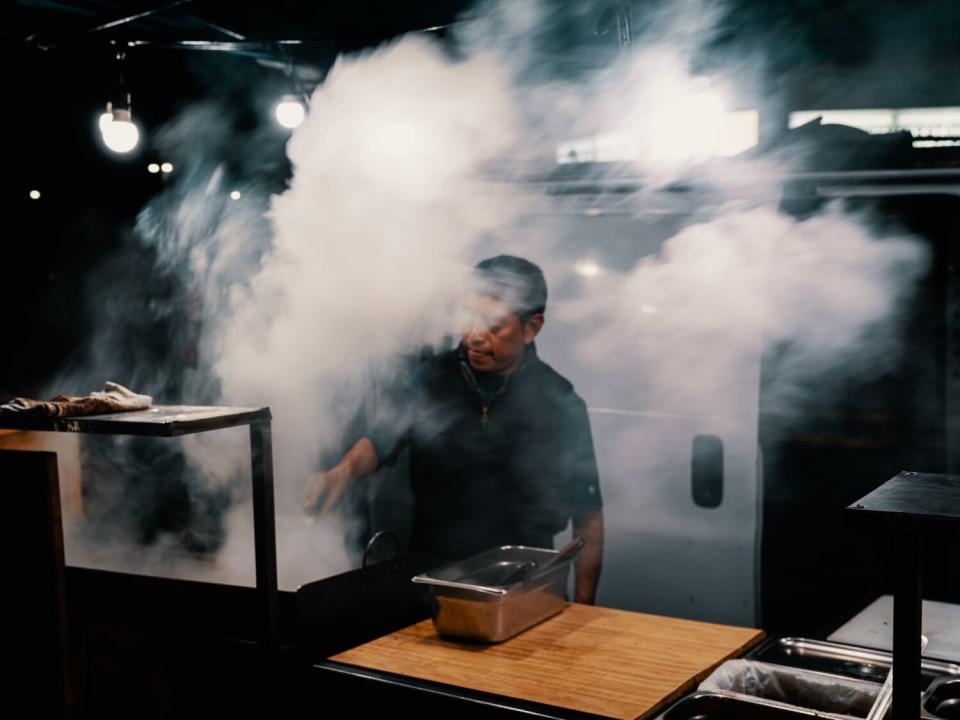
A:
x: 719, y: 291
x: 371, y: 243
x: 390, y: 204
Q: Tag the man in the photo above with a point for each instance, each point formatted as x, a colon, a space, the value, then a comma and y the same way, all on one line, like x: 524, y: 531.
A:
x: 500, y: 444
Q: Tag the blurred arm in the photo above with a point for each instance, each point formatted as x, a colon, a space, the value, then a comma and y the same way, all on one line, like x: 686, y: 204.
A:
x: 359, y: 461
x: 588, y: 524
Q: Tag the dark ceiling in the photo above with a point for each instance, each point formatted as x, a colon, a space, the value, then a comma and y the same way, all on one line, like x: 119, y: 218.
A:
x: 234, y: 55
x: 42, y: 22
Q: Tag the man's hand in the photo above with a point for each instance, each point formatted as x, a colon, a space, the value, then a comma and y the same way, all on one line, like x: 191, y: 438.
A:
x: 329, y: 485
x: 359, y: 461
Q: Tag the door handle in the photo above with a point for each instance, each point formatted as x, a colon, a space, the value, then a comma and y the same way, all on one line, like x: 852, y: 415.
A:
x: 706, y: 471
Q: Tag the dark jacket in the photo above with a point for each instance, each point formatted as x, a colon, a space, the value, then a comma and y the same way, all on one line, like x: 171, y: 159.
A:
x: 513, y: 470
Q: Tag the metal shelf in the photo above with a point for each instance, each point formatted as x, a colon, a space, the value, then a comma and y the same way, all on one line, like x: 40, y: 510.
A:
x: 178, y: 420
x: 162, y: 421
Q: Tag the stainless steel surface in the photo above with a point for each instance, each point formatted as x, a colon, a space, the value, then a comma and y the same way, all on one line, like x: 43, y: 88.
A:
x: 882, y: 705
x: 793, y: 688
x: 841, y: 659
x: 713, y: 706
x: 873, y: 627
x: 486, y: 598
x: 566, y: 553
x: 942, y: 700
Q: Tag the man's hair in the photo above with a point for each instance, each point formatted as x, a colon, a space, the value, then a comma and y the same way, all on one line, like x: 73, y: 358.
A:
x: 517, y: 282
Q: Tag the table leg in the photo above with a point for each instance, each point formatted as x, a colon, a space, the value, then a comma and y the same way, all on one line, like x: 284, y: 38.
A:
x: 907, y: 609
x: 265, y: 534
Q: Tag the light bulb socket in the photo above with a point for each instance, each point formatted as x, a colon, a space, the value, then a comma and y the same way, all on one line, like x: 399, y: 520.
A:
x: 122, y: 115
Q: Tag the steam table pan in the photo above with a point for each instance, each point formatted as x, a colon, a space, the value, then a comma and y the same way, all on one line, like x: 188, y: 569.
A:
x: 497, y: 594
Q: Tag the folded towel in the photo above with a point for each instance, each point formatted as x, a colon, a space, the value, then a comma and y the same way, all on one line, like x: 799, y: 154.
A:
x: 114, y: 398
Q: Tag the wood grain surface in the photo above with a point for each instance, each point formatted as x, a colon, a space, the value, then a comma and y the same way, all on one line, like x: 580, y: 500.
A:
x: 608, y: 662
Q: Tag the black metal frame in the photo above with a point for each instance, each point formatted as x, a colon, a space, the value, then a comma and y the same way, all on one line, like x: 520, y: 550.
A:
x: 952, y: 380
x: 174, y: 421
x: 914, y: 504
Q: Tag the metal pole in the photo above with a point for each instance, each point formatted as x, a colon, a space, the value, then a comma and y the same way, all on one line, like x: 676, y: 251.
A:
x: 907, y: 608
x: 265, y: 534
x: 952, y: 388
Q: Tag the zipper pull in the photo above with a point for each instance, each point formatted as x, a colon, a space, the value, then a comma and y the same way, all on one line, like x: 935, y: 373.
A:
x: 484, y: 415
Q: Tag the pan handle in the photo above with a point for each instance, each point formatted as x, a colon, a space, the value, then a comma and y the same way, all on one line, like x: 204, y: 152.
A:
x: 368, y: 551
x: 425, y: 580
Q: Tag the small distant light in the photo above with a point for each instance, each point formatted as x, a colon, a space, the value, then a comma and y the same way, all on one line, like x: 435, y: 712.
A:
x: 34, y: 194
x: 649, y: 309
x: 235, y: 195
x: 153, y: 168
x: 593, y: 212
x: 167, y: 167
x: 587, y: 268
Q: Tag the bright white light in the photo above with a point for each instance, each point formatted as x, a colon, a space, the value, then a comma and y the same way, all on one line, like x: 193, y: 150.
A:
x: 235, y: 195
x: 153, y: 168
x: 739, y: 132
x: 689, y: 128
x: 587, y: 268
x: 121, y: 136
x: 935, y: 143
x: 681, y: 121
x: 290, y: 112
x: 921, y: 122
x: 34, y: 194
x: 167, y: 167
x: 105, y: 119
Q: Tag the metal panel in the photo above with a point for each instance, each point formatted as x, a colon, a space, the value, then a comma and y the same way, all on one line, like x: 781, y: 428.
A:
x: 663, y: 552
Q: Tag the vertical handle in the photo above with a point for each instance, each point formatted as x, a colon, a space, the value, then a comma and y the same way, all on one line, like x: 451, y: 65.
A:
x: 706, y: 471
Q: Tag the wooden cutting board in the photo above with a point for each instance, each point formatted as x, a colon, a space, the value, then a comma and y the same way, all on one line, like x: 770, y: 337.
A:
x: 608, y: 662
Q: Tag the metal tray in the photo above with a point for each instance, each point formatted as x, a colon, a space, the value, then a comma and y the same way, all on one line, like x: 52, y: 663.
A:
x: 839, y: 659
x: 942, y: 699
x: 713, y: 706
x: 497, y: 594
x: 827, y: 693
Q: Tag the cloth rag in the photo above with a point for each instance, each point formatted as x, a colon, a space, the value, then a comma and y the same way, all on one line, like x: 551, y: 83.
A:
x: 113, y: 398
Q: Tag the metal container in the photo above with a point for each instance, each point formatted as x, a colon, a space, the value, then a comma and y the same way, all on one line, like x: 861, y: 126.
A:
x: 942, y: 699
x: 713, y: 706
x: 492, y: 596
x: 793, y: 688
x: 839, y: 659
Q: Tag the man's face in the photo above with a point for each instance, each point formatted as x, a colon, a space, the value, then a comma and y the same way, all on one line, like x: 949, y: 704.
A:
x: 495, y: 338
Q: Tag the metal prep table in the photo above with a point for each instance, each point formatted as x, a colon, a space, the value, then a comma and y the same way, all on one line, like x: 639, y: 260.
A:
x: 913, y: 505
x: 175, y: 421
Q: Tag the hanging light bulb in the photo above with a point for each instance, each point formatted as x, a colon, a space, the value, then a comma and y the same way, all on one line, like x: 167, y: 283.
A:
x: 120, y: 134
x: 105, y: 118
x: 290, y: 112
